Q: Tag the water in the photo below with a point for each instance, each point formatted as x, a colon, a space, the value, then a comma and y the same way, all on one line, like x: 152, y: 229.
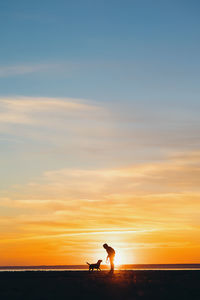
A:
x: 103, y: 267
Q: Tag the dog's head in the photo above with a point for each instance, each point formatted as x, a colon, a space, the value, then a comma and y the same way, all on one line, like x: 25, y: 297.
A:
x: 99, y: 261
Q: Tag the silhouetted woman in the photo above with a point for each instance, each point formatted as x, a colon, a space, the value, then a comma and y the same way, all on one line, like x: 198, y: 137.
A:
x: 111, y: 256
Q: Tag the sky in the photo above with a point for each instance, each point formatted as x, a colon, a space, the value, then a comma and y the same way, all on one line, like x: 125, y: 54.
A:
x: 99, y: 131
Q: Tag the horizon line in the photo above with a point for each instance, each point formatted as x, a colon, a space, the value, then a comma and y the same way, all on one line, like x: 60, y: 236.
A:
x: 67, y: 265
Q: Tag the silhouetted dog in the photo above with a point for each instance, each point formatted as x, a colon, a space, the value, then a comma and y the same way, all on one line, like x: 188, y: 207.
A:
x: 95, y: 266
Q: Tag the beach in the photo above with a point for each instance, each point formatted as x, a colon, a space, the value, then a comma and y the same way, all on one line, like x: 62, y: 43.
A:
x: 140, y: 284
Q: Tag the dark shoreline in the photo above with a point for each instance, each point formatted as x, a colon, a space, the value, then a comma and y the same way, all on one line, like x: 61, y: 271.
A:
x: 105, y: 267
x: 58, y: 285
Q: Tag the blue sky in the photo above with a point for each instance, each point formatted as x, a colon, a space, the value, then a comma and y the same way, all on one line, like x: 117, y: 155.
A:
x: 101, y: 50
x: 137, y: 60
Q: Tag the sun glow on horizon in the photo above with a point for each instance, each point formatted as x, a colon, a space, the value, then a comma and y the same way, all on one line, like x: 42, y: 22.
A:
x: 120, y: 258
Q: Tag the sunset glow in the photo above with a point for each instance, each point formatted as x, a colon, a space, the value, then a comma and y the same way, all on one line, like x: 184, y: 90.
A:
x: 121, y: 258
x: 99, y: 133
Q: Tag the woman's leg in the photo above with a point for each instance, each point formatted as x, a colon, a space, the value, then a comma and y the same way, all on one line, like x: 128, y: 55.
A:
x: 112, y: 263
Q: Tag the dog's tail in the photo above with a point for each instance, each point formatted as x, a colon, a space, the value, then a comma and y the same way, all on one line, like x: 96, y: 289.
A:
x: 87, y: 263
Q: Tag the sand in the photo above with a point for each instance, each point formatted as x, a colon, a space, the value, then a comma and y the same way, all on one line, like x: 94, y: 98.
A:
x: 48, y: 285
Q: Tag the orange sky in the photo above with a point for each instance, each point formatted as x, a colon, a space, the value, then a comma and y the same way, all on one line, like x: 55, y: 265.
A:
x: 58, y: 210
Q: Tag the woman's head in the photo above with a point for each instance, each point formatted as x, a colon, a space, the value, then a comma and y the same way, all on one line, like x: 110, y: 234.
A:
x: 105, y: 246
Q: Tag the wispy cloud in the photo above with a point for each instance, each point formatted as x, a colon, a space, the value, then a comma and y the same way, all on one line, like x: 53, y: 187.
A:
x: 131, y: 193
x: 171, y: 177
x: 28, y: 110
x: 27, y: 104
x: 21, y: 69
x: 90, y: 130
